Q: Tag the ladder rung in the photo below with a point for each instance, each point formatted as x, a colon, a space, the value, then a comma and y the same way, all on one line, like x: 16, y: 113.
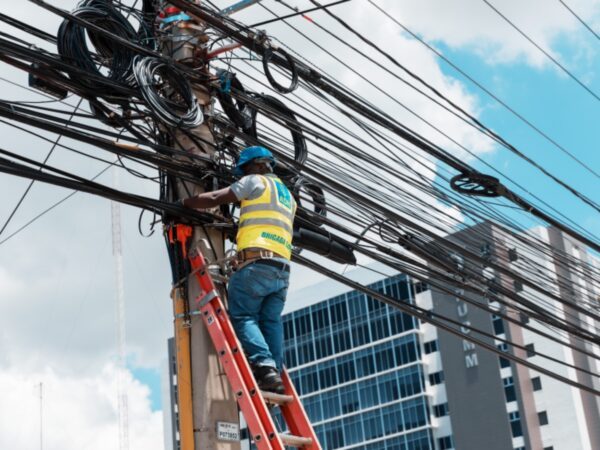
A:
x: 295, y: 441
x: 276, y: 399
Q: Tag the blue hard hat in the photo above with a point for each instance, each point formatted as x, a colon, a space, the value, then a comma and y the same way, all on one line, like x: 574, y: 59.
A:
x: 251, y: 153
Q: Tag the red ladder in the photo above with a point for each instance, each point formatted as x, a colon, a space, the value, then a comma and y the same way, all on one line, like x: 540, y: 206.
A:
x: 252, y: 402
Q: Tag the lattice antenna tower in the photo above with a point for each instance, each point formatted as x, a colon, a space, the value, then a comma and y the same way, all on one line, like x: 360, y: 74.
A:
x: 120, y: 321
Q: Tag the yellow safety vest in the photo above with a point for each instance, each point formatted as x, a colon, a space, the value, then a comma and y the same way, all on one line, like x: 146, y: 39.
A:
x: 267, y: 221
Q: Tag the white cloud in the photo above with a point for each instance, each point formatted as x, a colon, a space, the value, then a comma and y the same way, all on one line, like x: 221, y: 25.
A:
x: 471, y: 24
x: 57, y: 314
x: 77, y: 412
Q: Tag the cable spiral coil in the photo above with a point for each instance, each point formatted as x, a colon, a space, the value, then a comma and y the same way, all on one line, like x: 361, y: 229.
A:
x: 167, y: 92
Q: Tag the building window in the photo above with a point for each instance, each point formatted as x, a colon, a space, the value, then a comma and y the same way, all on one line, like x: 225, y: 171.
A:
x: 524, y: 318
x: 518, y: 285
x: 530, y: 349
x: 445, y: 442
x: 503, y: 346
x: 436, y: 378
x: 497, y: 324
x: 536, y: 383
x: 549, y: 448
x: 504, y: 362
x: 431, y: 346
x: 509, y: 389
x: 485, y: 250
x: 440, y: 410
x: 420, y: 287
x: 512, y: 254
x: 543, y: 416
x: 515, y: 424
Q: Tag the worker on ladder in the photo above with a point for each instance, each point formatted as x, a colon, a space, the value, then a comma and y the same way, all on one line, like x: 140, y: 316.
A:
x: 258, y: 287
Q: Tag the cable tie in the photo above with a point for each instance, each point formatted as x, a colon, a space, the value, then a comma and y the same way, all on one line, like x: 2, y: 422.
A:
x: 177, y: 18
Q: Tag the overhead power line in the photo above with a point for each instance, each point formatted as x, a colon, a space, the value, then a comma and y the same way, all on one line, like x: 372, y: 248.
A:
x: 50, y: 208
x: 298, y: 13
x: 580, y: 19
x: 502, y: 141
x: 361, y: 177
x: 548, y: 55
x: 20, y: 202
x: 487, y: 91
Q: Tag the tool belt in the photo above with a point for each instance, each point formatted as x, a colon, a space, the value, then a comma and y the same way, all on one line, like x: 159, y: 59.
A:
x: 260, y: 256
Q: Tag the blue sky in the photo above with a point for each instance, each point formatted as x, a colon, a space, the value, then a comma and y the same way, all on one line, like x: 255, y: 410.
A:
x: 73, y: 353
x: 151, y: 377
x: 555, y: 104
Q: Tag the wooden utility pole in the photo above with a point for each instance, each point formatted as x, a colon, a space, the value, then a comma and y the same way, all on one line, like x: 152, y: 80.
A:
x: 203, y: 388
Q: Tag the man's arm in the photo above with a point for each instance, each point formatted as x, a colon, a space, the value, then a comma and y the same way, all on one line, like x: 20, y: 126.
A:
x: 211, y: 199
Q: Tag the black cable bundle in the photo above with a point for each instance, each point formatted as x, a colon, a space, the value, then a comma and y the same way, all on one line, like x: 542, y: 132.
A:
x: 275, y: 107
x: 239, y: 112
x: 73, y: 47
x: 167, y: 92
x: 267, y: 56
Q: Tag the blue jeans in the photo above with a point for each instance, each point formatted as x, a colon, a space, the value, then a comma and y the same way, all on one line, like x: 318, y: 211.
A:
x: 256, y: 298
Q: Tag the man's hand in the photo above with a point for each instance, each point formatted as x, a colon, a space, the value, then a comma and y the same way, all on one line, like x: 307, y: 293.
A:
x: 210, y: 199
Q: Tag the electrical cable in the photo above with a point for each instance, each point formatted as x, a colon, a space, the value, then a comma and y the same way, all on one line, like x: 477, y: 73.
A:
x: 360, y: 186
x: 30, y: 185
x: 440, y: 322
x: 495, y: 136
x: 297, y: 13
x: 168, y: 93
x: 580, y: 19
x: 548, y: 55
x: 487, y: 91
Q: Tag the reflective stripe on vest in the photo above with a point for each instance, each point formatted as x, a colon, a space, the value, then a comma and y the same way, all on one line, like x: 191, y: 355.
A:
x: 275, y: 222
x: 273, y: 205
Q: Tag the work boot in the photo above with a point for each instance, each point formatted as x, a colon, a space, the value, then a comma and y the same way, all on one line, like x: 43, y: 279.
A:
x: 268, y: 379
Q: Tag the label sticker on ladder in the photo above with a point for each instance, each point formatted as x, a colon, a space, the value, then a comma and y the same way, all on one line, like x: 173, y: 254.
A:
x: 210, y: 320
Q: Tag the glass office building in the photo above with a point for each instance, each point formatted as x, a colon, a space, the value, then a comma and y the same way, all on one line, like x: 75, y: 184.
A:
x: 357, y: 365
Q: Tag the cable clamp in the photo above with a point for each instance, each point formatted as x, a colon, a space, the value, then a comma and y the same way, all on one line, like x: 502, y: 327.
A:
x: 225, y: 82
x: 262, y: 38
x: 176, y: 18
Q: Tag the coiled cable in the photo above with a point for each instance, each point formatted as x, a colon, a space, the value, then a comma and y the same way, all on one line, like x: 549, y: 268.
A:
x: 116, y: 60
x: 267, y: 56
x: 272, y: 106
x: 239, y: 112
x: 167, y: 93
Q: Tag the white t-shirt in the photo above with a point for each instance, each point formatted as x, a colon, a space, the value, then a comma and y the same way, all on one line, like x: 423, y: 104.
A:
x: 249, y: 187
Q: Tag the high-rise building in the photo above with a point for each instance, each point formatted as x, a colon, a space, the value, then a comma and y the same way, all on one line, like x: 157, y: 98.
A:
x: 169, y: 390
x: 371, y: 377
x: 492, y: 402
x: 359, y: 368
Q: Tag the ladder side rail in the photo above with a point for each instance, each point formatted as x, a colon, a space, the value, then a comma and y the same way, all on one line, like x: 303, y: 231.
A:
x: 262, y: 439
x: 235, y: 364
x: 259, y: 401
x: 295, y: 414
